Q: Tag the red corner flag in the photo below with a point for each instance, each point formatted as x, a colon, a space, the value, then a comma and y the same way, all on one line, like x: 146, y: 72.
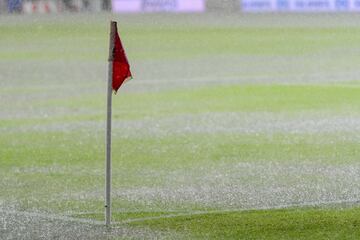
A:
x: 120, y: 65
x: 119, y: 71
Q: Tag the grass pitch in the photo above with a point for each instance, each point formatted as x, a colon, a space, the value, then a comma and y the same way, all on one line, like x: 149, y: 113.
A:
x: 225, y: 114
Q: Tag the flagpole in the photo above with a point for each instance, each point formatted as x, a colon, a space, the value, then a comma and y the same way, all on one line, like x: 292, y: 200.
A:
x: 108, y: 128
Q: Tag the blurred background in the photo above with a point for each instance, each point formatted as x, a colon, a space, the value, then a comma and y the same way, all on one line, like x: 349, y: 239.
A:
x: 56, y: 6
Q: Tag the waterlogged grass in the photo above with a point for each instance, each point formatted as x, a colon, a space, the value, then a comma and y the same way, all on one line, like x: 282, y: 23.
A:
x: 52, y: 110
x: 233, y: 98
x: 288, y: 99
x: 86, y: 148
x: 42, y: 39
x: 71, y: 164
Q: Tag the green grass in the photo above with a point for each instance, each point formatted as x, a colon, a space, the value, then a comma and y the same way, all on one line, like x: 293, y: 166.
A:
x: 288, y: 99
x: 189, y: 75
x: 160, y: 42
x: 269, y: 224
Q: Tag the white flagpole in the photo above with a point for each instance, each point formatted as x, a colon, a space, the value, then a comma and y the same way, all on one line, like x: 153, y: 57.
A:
x: 108, y: 129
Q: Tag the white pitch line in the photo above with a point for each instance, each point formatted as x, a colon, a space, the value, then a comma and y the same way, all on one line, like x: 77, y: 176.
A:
x: 101, y: 223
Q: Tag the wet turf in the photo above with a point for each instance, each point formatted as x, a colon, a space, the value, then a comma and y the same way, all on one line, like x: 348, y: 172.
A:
x: 221, y: 115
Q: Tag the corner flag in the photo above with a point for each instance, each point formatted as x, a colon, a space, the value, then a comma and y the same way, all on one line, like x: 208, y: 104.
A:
x: 118, y: 73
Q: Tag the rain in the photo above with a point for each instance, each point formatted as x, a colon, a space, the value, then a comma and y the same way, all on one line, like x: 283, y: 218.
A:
x: 228, y: 110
